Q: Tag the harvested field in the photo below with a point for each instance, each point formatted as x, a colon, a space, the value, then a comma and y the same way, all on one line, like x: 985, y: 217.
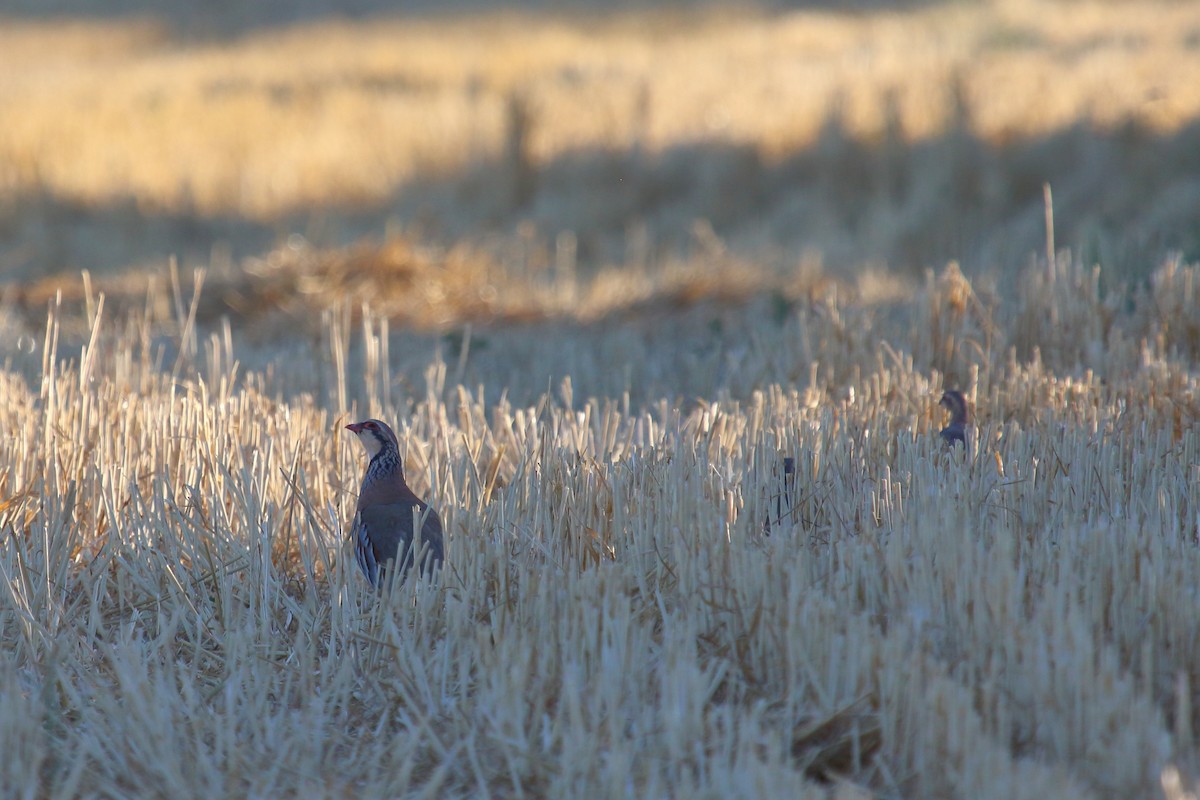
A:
x: 599, y: 337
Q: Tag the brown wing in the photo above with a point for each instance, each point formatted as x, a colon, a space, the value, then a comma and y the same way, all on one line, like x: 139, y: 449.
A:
x: 388, y: 530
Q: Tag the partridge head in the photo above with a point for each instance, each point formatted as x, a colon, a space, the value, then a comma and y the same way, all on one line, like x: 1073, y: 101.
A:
x: 392, y: 527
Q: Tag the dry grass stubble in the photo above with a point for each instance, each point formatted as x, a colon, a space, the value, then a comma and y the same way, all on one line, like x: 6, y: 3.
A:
x: 1020, y: 621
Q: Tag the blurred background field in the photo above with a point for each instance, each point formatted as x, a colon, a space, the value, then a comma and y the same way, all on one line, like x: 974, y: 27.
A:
x: 822, y: 136
x: 604, y: 268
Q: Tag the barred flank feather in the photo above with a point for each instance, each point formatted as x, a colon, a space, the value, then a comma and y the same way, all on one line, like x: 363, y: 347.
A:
x: 364, y: 553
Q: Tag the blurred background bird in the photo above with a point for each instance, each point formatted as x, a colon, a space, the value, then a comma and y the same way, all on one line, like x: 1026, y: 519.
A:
x: 955, y: 433
x: 781, y: 507
x: 388, y: 512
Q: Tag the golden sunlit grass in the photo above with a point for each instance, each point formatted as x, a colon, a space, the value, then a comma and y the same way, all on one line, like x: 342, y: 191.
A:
x: 635, y: 604
x: 343, y: 112
x: 346, y: 114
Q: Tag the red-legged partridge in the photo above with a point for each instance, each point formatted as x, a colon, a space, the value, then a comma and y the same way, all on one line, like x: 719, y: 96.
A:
x: 388, y: 512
